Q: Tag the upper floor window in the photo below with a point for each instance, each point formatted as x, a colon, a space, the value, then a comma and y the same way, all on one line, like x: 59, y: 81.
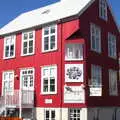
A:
x: 113, y: 90
x: 95, y: 38
x: 112, y: 45
x: 49, y: 38
x: 96, y: 76
x: 49, y: 80
x: 8, y: 82
x: 9, y: 47
x: 74, y: 52
x: 103, y: 9
x: 28, y: 43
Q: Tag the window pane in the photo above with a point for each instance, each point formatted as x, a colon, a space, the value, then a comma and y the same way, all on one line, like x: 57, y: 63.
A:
x: 30, y: 49
x: 52, y: 42
x: 53, y: 29
x: 47, y: 114
x: 45, y: 85
x: 25, y: 44
x: 31, y: 35
x: 46, y: 43
x: 25, y: 36
x: 52, y: 114
x: 46, y: 31
x: 25, y: 51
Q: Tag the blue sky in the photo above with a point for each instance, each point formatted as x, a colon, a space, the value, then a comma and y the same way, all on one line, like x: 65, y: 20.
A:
x: 10, y: 9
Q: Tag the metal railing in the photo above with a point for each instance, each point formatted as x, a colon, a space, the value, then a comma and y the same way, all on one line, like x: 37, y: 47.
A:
x: 13, y: 99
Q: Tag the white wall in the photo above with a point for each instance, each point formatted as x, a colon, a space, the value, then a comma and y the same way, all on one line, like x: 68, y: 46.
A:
x: 104, y: 113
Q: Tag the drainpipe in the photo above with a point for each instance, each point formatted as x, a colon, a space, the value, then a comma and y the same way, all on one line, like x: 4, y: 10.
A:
x: 20, y: 103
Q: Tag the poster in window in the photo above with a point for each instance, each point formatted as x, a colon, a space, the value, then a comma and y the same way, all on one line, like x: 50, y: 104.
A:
x: 74, y: 72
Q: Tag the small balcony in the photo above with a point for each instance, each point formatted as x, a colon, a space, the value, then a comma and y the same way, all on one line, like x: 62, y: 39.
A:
x: 23, y: 98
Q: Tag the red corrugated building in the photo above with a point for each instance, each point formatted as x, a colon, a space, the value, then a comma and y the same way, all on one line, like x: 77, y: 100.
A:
x: 60, y: 62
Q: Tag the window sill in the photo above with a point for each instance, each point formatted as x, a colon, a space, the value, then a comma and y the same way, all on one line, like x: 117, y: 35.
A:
x: 5, y: 58
x: 48, y: 93
x: 73, y: 59
x: 93, y: 50
x: 27, y: 54
x: 112, y: 57
x: 47, y: 51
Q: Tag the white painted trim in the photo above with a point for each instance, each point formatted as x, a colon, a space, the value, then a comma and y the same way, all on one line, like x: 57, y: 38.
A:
x: 9, y: 71
x: 27, y: 32
x: 47, y: 93
x: 112, y: 35
x: 23, y: 69
x: 95, y: 27
x: 105, y: 9
x: 56, y: 30
x: 14, y: 38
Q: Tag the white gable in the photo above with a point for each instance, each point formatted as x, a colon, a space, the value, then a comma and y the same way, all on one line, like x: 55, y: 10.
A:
x: 50, y: 13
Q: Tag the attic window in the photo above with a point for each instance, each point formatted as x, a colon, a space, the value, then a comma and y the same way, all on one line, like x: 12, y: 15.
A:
x: 46, y: 11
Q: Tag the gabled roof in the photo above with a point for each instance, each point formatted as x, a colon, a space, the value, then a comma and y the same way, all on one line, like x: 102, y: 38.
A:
x: 43, y: 15
x: 48, y: 14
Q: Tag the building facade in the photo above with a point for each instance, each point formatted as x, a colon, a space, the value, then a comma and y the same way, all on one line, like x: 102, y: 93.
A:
x: 60, y: 62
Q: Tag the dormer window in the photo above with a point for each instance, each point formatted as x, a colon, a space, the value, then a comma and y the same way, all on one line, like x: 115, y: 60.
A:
x: 103, y: 9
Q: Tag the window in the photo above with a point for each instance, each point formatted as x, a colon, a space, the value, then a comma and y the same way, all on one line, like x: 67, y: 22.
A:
x: 49, y: 38
x: 8, y: 82
x: 112, y: 45
x: 74, y: 52
x: 49, y: 80
x: 50, y: 114
x: 95, y: 38
x: 96, y: 76
x: 27, y: 79
x: 74, y: 114
x: 9, y: 47
x: 28, y: 43
x: 103, y: 9
x: 113, y: 90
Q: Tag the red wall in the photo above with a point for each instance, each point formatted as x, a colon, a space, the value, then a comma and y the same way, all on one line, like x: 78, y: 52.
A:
x: 102, y: 59
x: 80, y: 31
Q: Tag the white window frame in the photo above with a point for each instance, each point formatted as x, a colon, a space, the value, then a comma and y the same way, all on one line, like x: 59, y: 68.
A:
x: 50, y: 113
x: 49, y: 36
x: 21, y: 82
x: 112, y: 46
x: 9, y: 39
x: 113, y: 77
x: 48, y: 76
x: 96, y: 73
x: 95, y: 32
x: 27, y: 40
x: 103, y: 10
x: 3, y: 79
x: 71, y: 114
x: 71, y: 49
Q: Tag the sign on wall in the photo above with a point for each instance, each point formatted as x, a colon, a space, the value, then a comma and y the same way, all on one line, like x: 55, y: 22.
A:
x: 74, y: 73
x: 74, y: 94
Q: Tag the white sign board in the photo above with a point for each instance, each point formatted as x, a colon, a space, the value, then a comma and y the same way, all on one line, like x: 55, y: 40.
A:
x: 95, y: 91
x: 74, y: 73
x: 74, y: 94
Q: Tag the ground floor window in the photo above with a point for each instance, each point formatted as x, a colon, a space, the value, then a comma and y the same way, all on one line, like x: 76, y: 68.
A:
x: 49, y: 114
x: 74, y: 114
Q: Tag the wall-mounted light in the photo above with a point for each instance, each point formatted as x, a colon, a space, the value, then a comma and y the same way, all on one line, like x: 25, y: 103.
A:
x: 16, y: 76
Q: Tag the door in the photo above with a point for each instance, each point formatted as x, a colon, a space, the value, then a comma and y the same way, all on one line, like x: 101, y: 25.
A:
x: 27, y: 79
